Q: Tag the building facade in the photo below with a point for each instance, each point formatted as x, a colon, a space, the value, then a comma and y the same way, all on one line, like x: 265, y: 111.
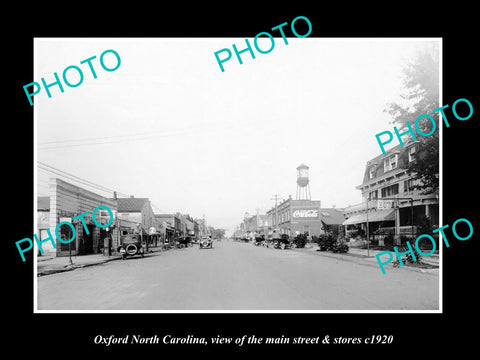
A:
x: 294, y: 217
x: 43, y: 223
x: 68, y: 201
x: 254, y: 225
x: 138, y: 212
x: 394, y: 206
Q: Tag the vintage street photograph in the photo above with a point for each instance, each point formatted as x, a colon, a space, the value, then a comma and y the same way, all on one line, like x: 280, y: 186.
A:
x: 172, y: 177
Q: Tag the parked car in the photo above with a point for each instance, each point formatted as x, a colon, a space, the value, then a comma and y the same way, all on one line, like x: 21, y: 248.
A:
x: 131, y: 246
x: 206, y: 241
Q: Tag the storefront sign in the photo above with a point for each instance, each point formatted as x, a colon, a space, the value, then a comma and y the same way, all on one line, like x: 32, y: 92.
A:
x: 152, y: 231
x: 305, y: 214
x: 384, y: 204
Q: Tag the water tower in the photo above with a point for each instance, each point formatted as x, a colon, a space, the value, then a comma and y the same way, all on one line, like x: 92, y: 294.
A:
x: 303, y: 186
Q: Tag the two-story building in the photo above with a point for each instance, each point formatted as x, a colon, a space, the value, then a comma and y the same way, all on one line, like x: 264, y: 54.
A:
x: 394, y: 206
x: 254, y: 225
x: 136, y: 214
x: 307, y: 217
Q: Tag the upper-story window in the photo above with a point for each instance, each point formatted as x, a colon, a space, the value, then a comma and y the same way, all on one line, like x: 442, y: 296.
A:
x: 390, y: 163
x: 373, y: 195
x: 411, y: 154
x: 390, y: 190
x: 371, y: 172
x: 408, y: 185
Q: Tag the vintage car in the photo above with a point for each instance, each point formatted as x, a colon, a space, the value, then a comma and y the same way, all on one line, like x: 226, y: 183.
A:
x: 206, y: 241
x: 131, y: 246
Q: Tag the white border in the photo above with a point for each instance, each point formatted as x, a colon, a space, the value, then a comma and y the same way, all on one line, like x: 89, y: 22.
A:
x: 440, y: 292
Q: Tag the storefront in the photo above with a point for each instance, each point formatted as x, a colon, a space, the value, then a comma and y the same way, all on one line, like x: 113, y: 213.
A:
x: 356, y: 225
x: 303, y: 217
x: 68, y: 201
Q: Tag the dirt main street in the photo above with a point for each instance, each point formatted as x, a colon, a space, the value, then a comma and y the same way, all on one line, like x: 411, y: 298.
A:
x: 237, y: 276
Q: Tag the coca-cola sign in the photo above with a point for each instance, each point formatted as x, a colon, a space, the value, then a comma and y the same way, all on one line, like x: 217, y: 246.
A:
x: 305, y: 214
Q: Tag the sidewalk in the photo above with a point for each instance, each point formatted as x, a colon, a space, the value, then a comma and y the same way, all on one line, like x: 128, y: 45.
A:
x: 47, y: 265
x: 367, y: 257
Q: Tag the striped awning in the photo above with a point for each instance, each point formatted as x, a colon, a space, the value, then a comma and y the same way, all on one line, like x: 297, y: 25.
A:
x: 373, y: 216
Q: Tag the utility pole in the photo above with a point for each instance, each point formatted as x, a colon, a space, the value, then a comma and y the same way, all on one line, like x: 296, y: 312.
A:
x: 275, y: 197
x: 368, y: 234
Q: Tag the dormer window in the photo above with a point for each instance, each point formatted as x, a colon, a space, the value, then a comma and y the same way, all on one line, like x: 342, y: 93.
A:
x: 390, y: 163
x: 411, y: 154
x: 371, y: 172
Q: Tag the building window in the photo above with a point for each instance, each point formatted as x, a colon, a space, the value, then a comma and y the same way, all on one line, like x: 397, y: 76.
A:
x: 390, y: 163
x: 390, y: 190
x: 371, y: 172
x: 373, y: 195
x: 411, y: 154
x: 408, y: 185
x: 306, y: 230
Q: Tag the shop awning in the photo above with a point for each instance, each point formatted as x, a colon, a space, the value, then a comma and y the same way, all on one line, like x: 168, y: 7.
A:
x: 373, y: 216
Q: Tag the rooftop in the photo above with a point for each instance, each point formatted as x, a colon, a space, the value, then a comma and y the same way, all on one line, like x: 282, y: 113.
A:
x: 332, y: 216
x: 131, y: 204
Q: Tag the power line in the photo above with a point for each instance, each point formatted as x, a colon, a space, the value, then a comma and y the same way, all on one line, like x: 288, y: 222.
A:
x: 56, y: 144
x: 97, y: 187
x: 110, y: 139
x: 51, y: 169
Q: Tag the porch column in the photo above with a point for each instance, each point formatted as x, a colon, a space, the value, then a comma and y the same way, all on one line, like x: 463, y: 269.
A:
x: 397, y: 225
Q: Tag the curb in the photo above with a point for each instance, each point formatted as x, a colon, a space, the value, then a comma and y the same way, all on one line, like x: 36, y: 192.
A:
x: 70, y: 267
x: 363, y: 260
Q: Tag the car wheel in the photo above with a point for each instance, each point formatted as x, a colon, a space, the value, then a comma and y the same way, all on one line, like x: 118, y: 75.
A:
x: 131, y: 249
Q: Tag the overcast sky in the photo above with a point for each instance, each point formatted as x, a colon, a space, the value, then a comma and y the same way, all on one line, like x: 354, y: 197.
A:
x: 170, y: 126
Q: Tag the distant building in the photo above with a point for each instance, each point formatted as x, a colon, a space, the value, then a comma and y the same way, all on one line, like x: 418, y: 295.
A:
x: 137, y: 210
x: 202, y: 226
x: 255, y: 225
x: 304, y: 217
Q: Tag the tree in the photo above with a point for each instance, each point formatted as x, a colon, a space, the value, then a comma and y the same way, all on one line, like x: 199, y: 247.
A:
x: 216, y: 233
x: 219, y: 233
x: 421, y: 96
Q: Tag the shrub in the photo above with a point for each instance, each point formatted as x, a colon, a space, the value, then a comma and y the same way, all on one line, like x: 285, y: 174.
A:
x: 340, y: 247
x: 300, y: 240
x: 326, y: 242
x: 388, y: 240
